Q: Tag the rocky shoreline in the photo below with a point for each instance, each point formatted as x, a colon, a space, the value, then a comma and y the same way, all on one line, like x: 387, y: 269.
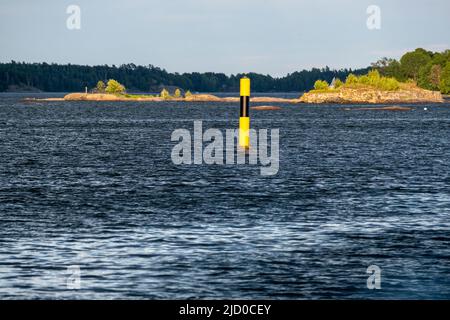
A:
x: 191, y: 98
x: 372, y: 96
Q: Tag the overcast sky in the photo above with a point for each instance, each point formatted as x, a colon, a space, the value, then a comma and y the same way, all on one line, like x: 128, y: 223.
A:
x: 265, y: 36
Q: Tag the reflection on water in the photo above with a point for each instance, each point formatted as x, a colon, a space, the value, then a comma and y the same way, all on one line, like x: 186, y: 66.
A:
x: 92, y: 185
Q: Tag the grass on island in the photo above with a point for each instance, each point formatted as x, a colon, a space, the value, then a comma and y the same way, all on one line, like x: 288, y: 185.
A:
x: 372, y: 80
x: 116, y: 88
x: 135, y: 96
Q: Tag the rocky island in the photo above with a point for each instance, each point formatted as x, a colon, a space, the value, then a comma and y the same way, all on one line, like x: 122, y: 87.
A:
x: 159, y: 98
x: 371, y: 89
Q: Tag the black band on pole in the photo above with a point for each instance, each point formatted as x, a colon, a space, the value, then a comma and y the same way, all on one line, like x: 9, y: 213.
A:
x: 245, y: 102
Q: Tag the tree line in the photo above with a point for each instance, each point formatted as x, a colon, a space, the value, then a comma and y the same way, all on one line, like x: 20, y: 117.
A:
x: 430, y: 70
x: 69, y: 77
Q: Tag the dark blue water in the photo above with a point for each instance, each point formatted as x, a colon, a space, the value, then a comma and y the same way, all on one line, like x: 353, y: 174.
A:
x: 93, y: 185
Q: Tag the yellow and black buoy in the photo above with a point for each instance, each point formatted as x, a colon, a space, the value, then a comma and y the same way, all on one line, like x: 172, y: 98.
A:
x: 244, y: 120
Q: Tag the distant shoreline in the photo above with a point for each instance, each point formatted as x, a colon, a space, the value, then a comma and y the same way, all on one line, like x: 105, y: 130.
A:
x: 138, y: 98
x: 358, y: 96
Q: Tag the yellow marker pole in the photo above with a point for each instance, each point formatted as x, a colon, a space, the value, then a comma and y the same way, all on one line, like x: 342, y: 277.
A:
x: 244, y: 120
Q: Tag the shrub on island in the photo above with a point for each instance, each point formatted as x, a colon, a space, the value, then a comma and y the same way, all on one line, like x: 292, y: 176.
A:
x: 372, y: 79
x: 338, y: 83
x: 165, y: 94
x: 114, y: 87
x: 100, y: 87
x: 321, y: 85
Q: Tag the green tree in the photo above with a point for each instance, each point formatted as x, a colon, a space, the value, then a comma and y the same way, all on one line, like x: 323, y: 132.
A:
x: 114, y: 87
x: 441, y: 58
x: 321, y: 85
x: 411, y: 62
x: 382, y: 63
x: 388, y: 68
x: 429, y: 76
x: 177, y: 93
x: 100, y: 87
x: 423, y: 77
x: 445, y: 79
x: 435, y: 76
x: 394, y: 70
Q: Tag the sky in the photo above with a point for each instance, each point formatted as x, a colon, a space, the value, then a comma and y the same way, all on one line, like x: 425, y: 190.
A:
x: 273, y: 37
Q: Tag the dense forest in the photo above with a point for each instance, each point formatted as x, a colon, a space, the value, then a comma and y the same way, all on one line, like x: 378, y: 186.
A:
x: 430, y: 70
x: 64, y: 78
